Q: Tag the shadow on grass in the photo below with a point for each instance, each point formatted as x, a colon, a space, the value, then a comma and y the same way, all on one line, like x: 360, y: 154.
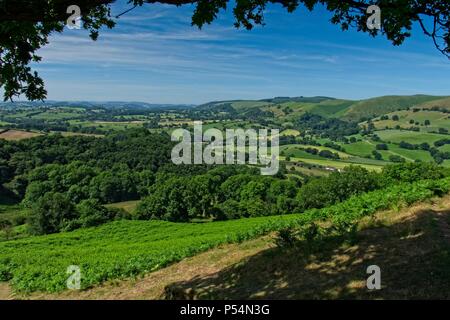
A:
x: 413, y: 256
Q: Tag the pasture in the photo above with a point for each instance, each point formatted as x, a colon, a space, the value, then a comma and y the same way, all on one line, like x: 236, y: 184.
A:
x: 409, y: 118
x: 12, y: 135
x: 397, y: 136
x: 128, y: 206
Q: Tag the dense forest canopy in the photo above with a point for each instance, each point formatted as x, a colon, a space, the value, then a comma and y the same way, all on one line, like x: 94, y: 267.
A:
x: 27, y: 24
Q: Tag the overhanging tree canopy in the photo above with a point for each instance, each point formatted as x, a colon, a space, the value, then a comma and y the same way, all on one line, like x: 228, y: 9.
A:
x: 26, y: 25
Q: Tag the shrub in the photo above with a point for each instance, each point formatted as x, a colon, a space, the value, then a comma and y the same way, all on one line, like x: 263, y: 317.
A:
x: 51, y: 213
x: 412, y: 172
x: 382, y: 146
x: 397, y: 159
x: 337, y: 187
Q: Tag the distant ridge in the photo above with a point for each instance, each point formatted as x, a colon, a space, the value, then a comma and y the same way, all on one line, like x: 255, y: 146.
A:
x: 97, y: 104
x: 284, y: 108
x: 288, y: 108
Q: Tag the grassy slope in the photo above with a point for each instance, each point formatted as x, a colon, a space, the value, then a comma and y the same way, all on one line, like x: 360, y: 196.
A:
x: 128, y: 248
x: 294, y: 147
x: 382, y: 105
x: 128, y: 206
x: 442, y: 103
x: 396, y: 136
x: 409, y: 246
x: 365, y: 148
x: 437, y: 119
x: 119, y: 249
x: 336, y: 163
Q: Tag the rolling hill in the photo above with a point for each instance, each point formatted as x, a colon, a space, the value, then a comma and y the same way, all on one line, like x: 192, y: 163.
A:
x: 374, y: 107
x: 286, y: 108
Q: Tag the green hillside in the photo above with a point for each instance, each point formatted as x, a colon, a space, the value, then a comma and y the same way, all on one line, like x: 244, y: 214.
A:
x: 397, y: 136
x: 440, y: 103
x: 286, y: 108
x: 381, y: 105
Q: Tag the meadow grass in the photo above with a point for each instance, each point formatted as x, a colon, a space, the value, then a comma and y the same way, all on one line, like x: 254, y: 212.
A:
x: 119, y: 249
x: 128, y: 206
x: 397, y: 136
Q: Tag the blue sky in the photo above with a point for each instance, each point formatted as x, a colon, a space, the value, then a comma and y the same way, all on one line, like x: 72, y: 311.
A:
x: 154, y: 55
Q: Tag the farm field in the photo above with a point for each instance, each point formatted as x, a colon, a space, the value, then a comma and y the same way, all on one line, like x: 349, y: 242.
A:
x: 61, y: 113
x: 290, y: 132
x: 295, y: 152
x: 335, y: 163
x: 71, y: 134
x: 360, y: 148
x: 128, y: 206
x: 365, y: 148
x: 107, y: 125
x: 445, y: 148
x: 292, y: 148
x: 410, y: 155
x: 12, y: 135
x: 397, y: 136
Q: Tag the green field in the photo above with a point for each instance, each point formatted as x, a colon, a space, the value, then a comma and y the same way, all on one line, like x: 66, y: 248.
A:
x: 397, y: 136
x: 294, y: 151
x: 292, y: 148
x: 359, y: 148
x: 365, y: 148
x: 107, y: 125
x: 336, y: 163
x: 61, y: 113
x: 128, y: 206
x: 290, y: 132
x: 445, y: 148
x: 410, y: 155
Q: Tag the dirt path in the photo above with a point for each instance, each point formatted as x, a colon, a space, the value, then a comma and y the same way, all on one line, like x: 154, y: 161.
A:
x: 5, y: 291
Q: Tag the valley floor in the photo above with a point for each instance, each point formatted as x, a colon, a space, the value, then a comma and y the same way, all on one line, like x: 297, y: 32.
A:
x: 411, y: 246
